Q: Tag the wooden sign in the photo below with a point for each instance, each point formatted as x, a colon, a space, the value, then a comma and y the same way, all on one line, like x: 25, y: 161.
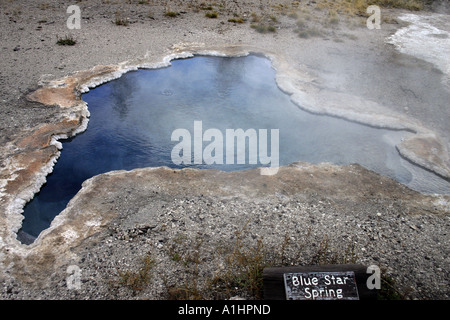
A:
x: 314, y: 282
x: 321, y: 286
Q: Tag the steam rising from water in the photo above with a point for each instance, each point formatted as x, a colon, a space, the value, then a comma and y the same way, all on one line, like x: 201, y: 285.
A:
x: 132, y: 120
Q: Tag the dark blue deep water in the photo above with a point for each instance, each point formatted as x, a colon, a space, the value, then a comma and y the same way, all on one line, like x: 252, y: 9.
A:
x: 132, y: 119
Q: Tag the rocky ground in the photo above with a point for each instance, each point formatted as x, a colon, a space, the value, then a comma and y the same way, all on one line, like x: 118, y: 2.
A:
x: 163, y: 234
x: 201, y: 230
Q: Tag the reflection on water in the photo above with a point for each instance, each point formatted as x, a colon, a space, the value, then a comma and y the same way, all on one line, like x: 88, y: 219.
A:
x: 132, y: 120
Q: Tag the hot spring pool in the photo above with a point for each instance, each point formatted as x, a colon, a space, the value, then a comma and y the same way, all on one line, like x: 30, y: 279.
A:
x: 133, y: 118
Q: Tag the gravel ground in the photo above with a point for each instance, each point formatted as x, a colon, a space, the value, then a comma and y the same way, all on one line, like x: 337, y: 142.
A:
x: 198, y: 227
x: 192, y: 234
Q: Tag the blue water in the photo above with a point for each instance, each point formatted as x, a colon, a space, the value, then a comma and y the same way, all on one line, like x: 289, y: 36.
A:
x: 132, y: 119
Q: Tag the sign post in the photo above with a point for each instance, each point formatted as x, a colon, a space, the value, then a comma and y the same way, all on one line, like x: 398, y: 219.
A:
x: 319, y: 282
x: 321, y: 286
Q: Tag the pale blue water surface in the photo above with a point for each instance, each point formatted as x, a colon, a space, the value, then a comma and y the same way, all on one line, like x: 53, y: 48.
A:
x: 133, y: 117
